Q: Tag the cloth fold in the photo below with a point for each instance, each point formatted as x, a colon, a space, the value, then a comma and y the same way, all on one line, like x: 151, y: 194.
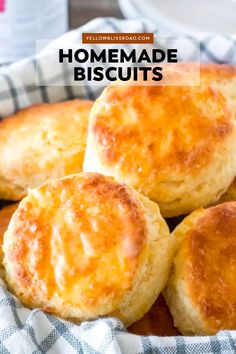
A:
x: 32, y: 331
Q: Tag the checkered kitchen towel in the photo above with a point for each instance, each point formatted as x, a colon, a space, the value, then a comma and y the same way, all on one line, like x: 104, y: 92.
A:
x: 26, y: 331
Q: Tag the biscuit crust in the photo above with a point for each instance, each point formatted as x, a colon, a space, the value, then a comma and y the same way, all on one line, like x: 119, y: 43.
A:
x: 85, y: 246
x: 201, y: 290
x: 41, y: 142
x: 156, y: 322
x: 230, y: 195
x: 175, y: 145
x: 5, y: 217
x: 223, y: 78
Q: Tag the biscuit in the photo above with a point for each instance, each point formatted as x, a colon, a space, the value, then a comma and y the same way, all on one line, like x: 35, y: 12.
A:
x: 5, y: 217
x: 201, y: 291
x: 156, y: 322
x: 41, y: 142
x: 176, y: 145
x: 230, y: 195
x: 86, y: 246
x: 223, y: 78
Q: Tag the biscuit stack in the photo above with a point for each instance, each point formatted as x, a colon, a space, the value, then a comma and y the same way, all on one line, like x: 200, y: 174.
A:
x: 89, y: 238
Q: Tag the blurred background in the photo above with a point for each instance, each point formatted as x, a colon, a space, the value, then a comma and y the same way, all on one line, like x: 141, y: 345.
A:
x: 213, y: 16
x: 22, y: 22
x: 82, y: 11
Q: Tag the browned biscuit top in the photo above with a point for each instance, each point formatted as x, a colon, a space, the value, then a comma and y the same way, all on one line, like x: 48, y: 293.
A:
x: 40, y: 142
x: 209, y: 268
x: 152, y: 131
x: 79, y: 238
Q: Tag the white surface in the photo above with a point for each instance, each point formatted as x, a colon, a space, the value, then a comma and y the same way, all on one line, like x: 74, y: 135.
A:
x: 215, y: 16
x: 24, y: 21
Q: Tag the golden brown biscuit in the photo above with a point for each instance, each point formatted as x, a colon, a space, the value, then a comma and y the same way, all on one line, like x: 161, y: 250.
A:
x: 86, y: 246
x: 175, y: 145
x: 41, y: 142
x: 230, y: 195
x: 201, y: 290
x: 222, y: 77
x: 156, y: 322
x: 5, y: 217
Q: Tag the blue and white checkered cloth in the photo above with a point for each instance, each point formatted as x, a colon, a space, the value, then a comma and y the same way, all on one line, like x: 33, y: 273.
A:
x: 32, y: 331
